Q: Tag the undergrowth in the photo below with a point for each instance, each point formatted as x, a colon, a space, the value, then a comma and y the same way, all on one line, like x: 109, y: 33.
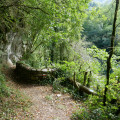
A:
x: 96, y: 114
x: 13, y: 104
x: 95, y: 110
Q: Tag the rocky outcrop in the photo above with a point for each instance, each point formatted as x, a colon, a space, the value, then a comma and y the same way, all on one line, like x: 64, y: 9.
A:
x: 13, y: 49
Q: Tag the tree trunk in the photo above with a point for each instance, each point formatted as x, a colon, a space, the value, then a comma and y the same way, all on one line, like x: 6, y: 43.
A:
x: 52, y: 51
x: 85, y: 78
x: 61, y: 52
x: 81, y: 88
x: 89, y: 79
x: 111, y: 52
x: 74, y: 79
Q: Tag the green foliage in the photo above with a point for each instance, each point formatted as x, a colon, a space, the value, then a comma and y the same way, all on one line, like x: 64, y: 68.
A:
x: 96, y: 114
x: 4, y: 90
x: 64, y: 73
x: 99, y: 54
x: 54, y: 32
x: 117, y: 49
x: 67, y: 68
x: 51, y: 31
x: 98, y: 25
x: 95, y: 110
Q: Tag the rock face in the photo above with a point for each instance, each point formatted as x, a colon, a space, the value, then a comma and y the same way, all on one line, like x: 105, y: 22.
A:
x: 12, y: 50
x: 33, y: 75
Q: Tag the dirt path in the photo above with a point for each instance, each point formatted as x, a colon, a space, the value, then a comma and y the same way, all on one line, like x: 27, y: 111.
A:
x: 48, y: 105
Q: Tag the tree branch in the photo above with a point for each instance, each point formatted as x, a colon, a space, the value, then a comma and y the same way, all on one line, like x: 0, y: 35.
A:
x: 36, y: 47
x: 25, y: 6
x: 110, y: 7
x: 117, y: 25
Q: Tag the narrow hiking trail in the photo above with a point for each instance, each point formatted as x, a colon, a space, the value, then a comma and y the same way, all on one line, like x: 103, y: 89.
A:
x: 48, y: 105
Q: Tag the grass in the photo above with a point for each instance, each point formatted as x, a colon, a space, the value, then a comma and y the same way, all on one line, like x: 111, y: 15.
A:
x: 49, y: 97
x: 13, y: 104
x: 15, y: 107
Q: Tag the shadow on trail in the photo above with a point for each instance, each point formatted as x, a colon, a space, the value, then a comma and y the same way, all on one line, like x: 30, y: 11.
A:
x: 16, y: 78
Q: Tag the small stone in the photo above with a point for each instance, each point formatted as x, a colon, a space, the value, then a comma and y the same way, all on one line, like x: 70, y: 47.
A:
x: 58, y: 95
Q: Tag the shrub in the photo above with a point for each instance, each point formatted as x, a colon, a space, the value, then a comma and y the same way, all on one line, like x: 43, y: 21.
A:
x: 96, y: 114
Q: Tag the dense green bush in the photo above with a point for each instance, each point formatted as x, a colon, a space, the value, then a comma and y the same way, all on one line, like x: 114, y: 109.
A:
x: 94, y: 110
x: 96, y: 114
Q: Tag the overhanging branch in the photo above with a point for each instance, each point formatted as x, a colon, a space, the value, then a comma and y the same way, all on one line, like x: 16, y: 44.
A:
x: 25, y: 6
